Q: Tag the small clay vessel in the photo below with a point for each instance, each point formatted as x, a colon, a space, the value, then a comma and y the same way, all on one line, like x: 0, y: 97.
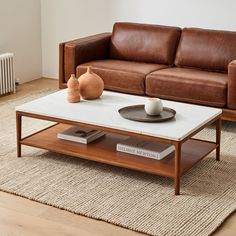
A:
x: 91, y: 85
x: 73, y: 94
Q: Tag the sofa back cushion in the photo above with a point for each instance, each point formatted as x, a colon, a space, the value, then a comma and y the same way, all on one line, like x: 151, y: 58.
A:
x: 144, y: 43
x: 206, y: 49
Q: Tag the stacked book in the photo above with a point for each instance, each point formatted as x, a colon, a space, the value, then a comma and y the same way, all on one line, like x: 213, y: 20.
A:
x: 145, y: 148
x: 80, y: 134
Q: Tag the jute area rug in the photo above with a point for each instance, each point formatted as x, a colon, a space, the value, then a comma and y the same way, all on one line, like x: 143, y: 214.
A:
x: 134, y: 200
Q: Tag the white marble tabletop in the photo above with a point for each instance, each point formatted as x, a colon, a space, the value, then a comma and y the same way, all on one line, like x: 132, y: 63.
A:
x: 104, y: 112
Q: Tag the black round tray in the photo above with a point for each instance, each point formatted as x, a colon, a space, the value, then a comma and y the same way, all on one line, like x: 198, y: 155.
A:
x: 137, y: 113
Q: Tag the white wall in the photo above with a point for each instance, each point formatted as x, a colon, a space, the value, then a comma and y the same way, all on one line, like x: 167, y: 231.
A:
x: 216, y: 14
x: 20, y: 33
x: 68, y: 19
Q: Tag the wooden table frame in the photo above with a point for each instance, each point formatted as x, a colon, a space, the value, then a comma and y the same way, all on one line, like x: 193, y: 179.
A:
x: 125, y: 160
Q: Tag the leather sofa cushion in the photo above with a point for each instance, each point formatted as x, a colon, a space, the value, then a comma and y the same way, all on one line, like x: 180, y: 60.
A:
x: 121, y: 76
x: 206, y: 49
x: 188, y: 85
x: 144, y: 43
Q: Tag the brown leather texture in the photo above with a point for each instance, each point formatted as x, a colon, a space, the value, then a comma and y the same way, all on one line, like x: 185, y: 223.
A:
x: 211, y: 50
x: 85, y: 49
x: 121, y: 76
x: 188, y: 85
x: 144, y: 43
x: 232, y: 85
x: 61, y: 65
x: 229, y: 114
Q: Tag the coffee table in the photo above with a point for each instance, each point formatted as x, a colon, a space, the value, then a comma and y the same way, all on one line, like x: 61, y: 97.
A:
x: 102, y: 114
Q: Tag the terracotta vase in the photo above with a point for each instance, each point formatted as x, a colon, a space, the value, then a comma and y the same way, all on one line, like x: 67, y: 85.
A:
x: 73, y: 93
x: 91, y: 85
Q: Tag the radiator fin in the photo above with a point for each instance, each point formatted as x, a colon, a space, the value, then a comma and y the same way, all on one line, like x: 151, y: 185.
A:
x: 7, y: 75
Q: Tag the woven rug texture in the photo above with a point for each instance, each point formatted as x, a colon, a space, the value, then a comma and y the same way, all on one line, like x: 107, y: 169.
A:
x: 130, y: 199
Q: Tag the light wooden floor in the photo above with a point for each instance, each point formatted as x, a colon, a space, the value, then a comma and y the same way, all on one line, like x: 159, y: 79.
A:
x: 23, y: 217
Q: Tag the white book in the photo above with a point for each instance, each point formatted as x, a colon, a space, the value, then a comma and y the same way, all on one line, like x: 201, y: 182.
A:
x: 80, y: 134
x: 145, y: 148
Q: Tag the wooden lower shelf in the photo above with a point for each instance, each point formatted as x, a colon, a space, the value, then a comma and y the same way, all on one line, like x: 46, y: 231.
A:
x: 104, y: 150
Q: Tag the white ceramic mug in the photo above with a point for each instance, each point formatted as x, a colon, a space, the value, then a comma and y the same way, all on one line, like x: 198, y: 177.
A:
x: 153, y: 106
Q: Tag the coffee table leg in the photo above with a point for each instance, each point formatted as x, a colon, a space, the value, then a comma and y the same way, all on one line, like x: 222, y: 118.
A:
x: 18, y: 133
x: 177, y: 167
x: 218, y: 137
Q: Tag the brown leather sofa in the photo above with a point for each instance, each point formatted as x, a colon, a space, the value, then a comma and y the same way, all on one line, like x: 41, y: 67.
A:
x: 189, y: 65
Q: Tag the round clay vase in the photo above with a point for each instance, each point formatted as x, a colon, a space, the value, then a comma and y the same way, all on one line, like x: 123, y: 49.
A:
x: 91, y: 85
x: 73, y: 94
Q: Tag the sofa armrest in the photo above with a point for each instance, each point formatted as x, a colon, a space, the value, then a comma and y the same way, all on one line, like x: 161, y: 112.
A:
x: 73, y: 53
x: 231, y: 96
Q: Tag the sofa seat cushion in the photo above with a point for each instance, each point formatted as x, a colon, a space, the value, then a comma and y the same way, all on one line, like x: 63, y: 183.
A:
x: 121, y: 76
x: 188, y: 85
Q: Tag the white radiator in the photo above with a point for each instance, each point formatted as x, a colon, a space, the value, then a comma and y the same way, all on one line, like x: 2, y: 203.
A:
x: 7, y: 75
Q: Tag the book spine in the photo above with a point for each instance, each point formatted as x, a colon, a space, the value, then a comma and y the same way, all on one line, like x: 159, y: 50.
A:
x: 71, y: 138
x: 137, y: 151
x: 80, y: 140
